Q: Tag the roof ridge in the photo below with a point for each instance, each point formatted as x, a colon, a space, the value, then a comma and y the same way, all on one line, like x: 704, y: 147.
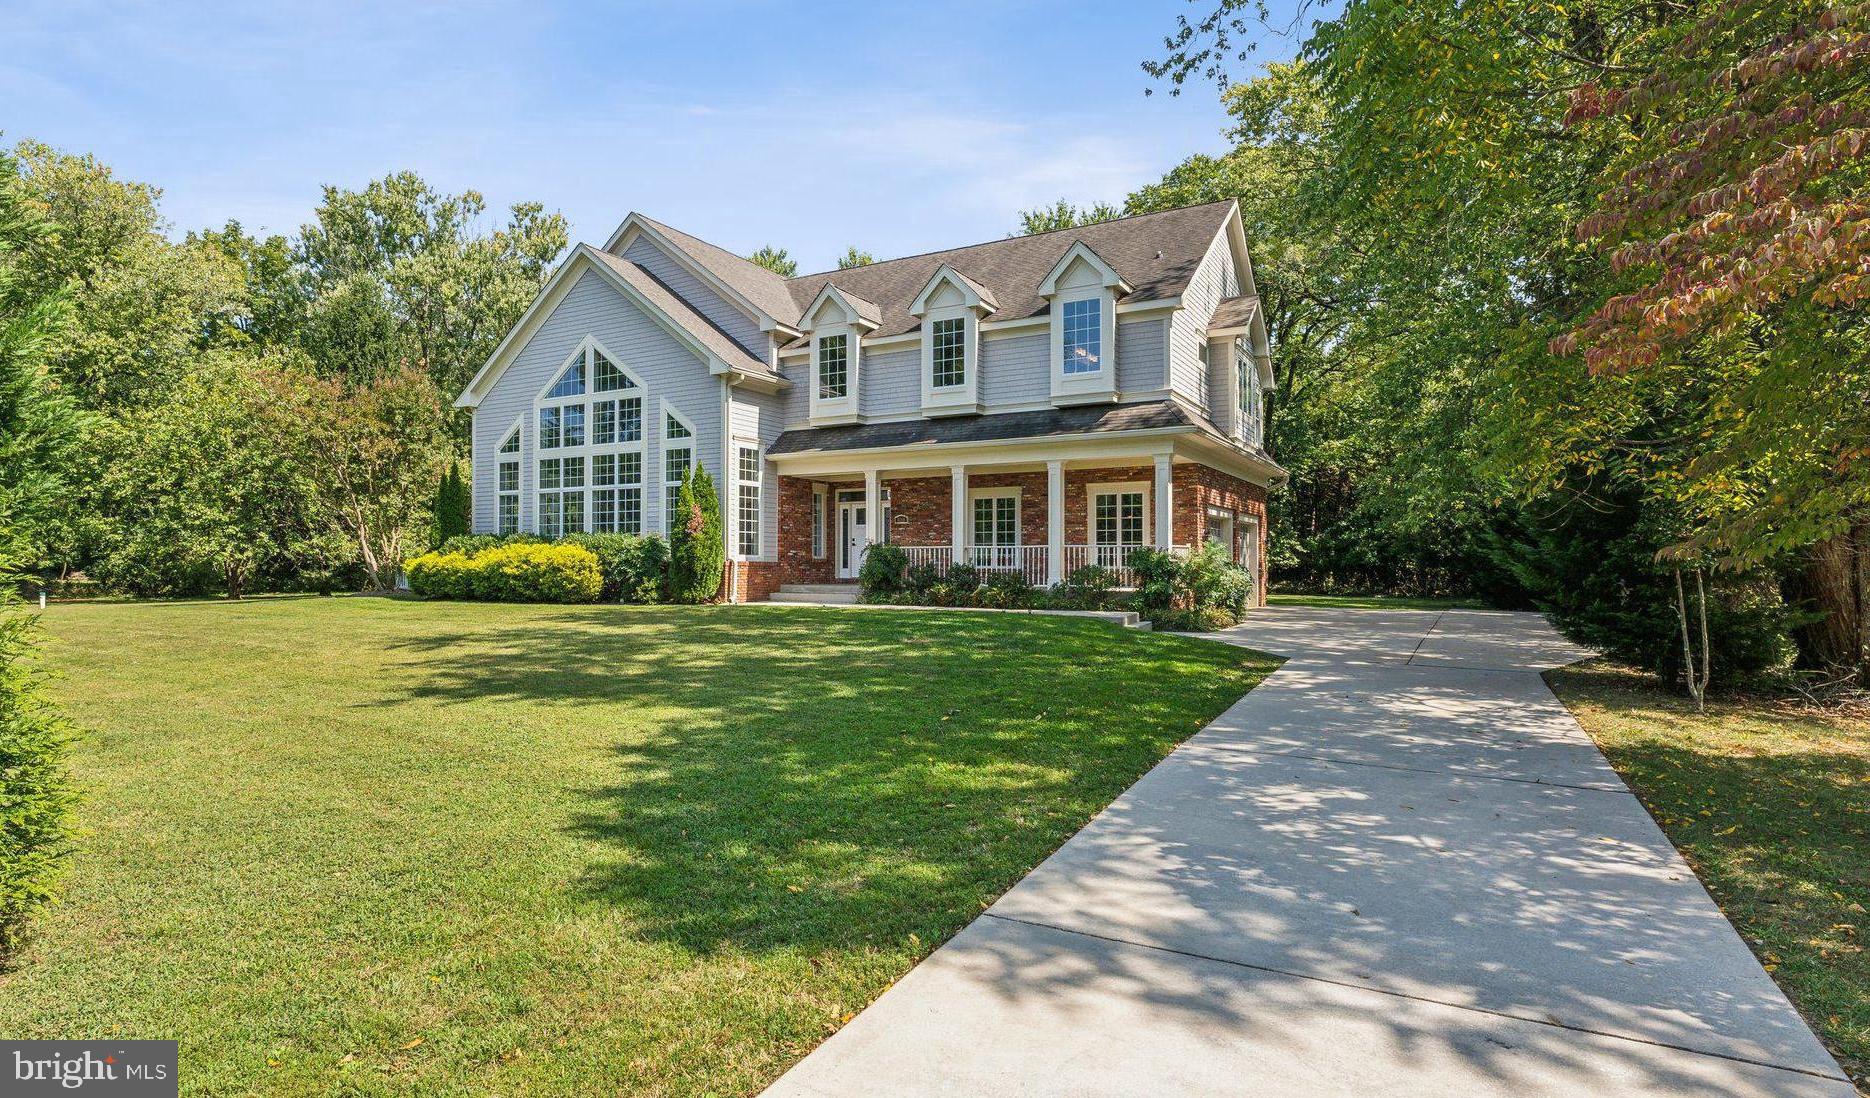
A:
x: 997, y: 240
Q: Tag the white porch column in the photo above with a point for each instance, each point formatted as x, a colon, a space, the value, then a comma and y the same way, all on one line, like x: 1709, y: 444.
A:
x: 1165, y: 501
x: 873, y: 506
x: 1055, y: 521
x: 957, y: 510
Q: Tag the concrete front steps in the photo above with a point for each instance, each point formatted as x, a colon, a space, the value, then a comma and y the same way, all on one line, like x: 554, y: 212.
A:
x: 817, y: 594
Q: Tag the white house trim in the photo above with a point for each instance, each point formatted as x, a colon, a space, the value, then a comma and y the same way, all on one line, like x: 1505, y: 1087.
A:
x: 617, y: 243
x: 973, y: 295
x: 1080, y: 251
x: 1118, y: 487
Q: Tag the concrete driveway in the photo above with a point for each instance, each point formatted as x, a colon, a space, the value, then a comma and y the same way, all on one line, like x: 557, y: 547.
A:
x: 1397, y: 867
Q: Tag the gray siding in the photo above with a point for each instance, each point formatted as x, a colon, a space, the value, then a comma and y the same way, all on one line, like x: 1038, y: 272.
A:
x: 892, y: 382
x: 1212, y: 281
x: 761, y: 417
x: 669, y: 370
x: 1016, y: 369
x: 1139, y: 356
x: 730, y: 318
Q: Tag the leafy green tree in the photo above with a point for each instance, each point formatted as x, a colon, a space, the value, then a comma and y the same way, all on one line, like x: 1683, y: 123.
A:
x: 697, y: 553
x: 397, y: 275
x: 36, y: 795
x: 274, y: 295
x: 213, y: 485
x: 1064, y: 215
x: 852, y: 257
x: 148, y: 307
x: 41, y: 429
x: 376, y: 450
x: 775, y: 260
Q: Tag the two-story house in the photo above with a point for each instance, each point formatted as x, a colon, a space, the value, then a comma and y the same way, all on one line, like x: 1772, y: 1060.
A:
x: 1036, y: 403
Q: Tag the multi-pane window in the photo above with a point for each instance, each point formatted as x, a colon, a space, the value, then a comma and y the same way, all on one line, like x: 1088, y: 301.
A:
x: 676, y: 462
x: 747, y: 501
x: 833, y: 367
x: 608, y: 437
x: 508, y: 484
x: 949, y: 352
x: 1117, y: 518
x: 818, y: 526
x: 1083, y: 342
x: 996, y: 520
x: 1251, y: 425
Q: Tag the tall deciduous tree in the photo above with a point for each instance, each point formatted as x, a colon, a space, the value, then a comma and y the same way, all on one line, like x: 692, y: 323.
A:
x: 853, y: 257
x: 1063, y: 215
x: 775, y: 260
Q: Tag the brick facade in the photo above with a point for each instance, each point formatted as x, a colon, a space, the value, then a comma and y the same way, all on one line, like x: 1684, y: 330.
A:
x: 752, y: 580
x: 920, y: 512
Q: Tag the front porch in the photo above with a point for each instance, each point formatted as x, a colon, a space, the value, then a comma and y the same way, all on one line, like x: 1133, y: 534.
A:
x: 1042, y: 519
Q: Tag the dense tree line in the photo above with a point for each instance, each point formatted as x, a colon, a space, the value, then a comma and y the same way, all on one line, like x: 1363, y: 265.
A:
x: 1568, y: 309
x: 249, y: 412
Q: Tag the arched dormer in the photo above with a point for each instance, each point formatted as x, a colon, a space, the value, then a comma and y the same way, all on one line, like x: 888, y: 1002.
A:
x: 1083, y: 292
x: 838, y: 321
x: 951, y: 306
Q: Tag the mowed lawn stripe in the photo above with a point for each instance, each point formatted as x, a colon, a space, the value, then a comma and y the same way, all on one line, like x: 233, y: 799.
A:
x: 367, y: 845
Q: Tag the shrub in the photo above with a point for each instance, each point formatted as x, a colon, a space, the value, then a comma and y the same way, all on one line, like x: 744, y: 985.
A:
x: 920, y: 580
x: 1158, y: 575
x: 522, y: 572
x: 1214, y: 581
x: 470, y: 544
x: 635, y: 569
x: 884, y: 571
x: 36, y: 797
x: 453, y: 506
x: 1092, y: 587
x: 1005, y: 591
x: 697, y: 555
x: 1205, y: 620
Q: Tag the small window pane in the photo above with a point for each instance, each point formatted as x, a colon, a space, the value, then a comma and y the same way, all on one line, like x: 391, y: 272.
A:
x: 629, y: 468
x: 509, y: 514
x: 607, y: 377
x: 571, y: 382
x: 574, y: 512
x: 604, y: 511
x: 509, y: 476
x: 603, y: 470
x: 511, y: 445
x: 572, y: 424
x: 548, y: 429
x: 551, y: 515
x: 574, y: 472
x: 673, y: 428
x: 629, y: 510
x: 604, y: 423
x: 630, y: 419
x: 548, y: 473
x: 748, y: 501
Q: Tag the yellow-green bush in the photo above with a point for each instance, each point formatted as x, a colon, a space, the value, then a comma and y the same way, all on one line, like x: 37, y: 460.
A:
x: 520, y: 572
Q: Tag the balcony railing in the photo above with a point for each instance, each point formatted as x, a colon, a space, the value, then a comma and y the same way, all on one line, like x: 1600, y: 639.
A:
x: 1030, y: 561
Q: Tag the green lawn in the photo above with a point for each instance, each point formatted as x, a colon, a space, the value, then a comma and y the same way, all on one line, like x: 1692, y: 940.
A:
x: 1771, y: 805
x: 1373, y: 602
x: 376, y: 846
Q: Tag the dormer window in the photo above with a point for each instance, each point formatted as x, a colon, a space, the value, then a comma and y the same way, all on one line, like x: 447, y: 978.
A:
x: 834, y: 367
x: 837, y: 321
x: 1083, y: 290
x: 951, y: 306
x: 1083, y: 336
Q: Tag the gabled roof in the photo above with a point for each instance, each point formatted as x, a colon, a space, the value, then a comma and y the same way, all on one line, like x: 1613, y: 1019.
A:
x: 657, y: 300
x: 979, y: 296
x: 1155, y: 253
x: 862, y: 308
x: 761, y: 288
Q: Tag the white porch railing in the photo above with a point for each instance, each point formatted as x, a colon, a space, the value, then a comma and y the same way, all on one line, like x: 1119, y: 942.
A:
x: 1031, y: 561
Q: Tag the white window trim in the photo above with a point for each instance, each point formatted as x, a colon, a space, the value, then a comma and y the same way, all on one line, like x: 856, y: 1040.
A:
x: 1111, y: 488
x: 667, y: 412
x: 589, y: 450
x: 829, y: 410
x: 820, y: 539
x: 1099, y: 384
x: 759, y: 484
x: 952, y: 399
x: 1019, y: 511
x: 518, y: 457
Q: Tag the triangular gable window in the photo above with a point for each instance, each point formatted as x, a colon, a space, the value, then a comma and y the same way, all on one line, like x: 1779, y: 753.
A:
x: 511, y: 445
x: 571, y: 382
x: 674, y: 429
x: 607, y: 376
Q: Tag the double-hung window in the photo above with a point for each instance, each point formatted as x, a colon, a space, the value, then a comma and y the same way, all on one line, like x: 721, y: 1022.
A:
x: 948, y: 353
x: 1118, y: 518
x: 833, y: 367
x: 590, y: 437
x: 1083, y: 337
x: 747, y: 500
x: 508, y: 474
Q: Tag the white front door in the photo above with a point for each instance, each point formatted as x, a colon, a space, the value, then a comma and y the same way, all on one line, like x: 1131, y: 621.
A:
x: 853, y: 531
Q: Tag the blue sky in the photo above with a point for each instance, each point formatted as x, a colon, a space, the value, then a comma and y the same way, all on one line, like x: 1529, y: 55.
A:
x: 895, y: 129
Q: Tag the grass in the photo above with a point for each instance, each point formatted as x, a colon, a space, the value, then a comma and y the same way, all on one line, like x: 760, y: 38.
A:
x: 1373, y: 602
x: 371, y: 846
x: 1771, y: 805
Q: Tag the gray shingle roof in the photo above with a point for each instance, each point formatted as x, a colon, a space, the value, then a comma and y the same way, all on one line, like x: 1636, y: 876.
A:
x: 1155, y: 253
x: 765, y: 289
x: 1234, y: 312
x: 1041, y: 423
x: 678, y: 310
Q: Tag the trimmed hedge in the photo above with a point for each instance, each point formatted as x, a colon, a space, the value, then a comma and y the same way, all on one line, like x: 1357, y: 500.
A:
x: 523, y: 572
x: 635, y: 567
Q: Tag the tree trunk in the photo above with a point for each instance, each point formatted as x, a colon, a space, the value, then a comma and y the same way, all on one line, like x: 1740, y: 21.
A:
x: 1829, y: 582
